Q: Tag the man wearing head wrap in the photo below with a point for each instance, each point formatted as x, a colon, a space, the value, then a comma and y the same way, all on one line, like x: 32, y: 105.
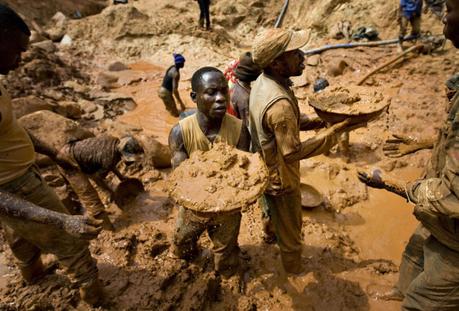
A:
x: 245, y: 73
x: 169, y: 87
x: 275, y: 123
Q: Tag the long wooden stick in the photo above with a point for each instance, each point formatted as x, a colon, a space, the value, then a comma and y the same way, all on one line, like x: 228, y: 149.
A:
x: 390, y: 62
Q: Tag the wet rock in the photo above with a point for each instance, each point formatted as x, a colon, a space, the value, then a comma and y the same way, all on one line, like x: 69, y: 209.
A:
x: 69, y: 110
x: 117, y: 66
x: 337, y: 68
x: 25, y: 105
x: 157, y: 155
x: 46, y: 45
x: 66, y: 40
x: 87, y: 106
x: 106, y: 80
x: 313, y: 60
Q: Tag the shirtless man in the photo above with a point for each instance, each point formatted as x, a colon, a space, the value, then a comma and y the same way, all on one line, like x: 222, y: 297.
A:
x: 169, y: 88
x: 19, y: 176
x: 198, y: 132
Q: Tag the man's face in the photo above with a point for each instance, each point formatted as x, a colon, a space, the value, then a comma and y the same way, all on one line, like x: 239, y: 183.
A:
x: 12, y: 44
x: 451, y: 21
x: 291, y: 63
x: 212, y: 95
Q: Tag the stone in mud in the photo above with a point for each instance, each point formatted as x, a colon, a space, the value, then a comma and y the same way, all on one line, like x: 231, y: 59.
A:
x: 337, y: 68
x: 25, y: 105
x: 223, y: 179
x: 157, y: 155
x: 52, y: 129
x: 69, y: 110
x: 46, y: 45
x: 106, y: 80
x: 117, y: 66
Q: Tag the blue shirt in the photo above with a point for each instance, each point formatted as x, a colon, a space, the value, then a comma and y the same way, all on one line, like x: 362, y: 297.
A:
x: 411, y: 8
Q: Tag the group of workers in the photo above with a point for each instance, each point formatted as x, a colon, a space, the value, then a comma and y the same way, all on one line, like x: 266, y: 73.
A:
x: 258, y: 113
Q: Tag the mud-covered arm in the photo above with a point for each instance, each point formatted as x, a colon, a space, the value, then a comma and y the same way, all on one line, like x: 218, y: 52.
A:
x: 244, y: 139
x: 440, y: 195
x: 308, y: 123
x: 177, y: 146
x: 13, y: 208
x: 400, y: 145
x: 281, y: 120
x: 175, y: 85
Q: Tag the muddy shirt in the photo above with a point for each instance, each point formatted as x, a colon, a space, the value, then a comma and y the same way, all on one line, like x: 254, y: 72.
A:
x: 16, y: 150
x: 194, y: 139
x: 437, y: 196
x: 275, y: 128
x: 168, y: 79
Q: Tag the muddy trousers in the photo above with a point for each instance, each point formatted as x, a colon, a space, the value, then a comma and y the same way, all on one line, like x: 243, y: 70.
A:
x: 286, y: 217
x: 85, y: 191
x: 169, y: 101
x: 28, y: 240
x: 412, y: 259
x: 437, y: 287
x: 223, y: 231
x: 415, y: 22
x: 205, y: 14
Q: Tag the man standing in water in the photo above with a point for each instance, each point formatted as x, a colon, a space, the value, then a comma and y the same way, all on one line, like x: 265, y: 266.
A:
x: 429, y: 272
x: 20, y: 177
x: 198, y: 132
x: 275, y: 122
x: 169, y: 88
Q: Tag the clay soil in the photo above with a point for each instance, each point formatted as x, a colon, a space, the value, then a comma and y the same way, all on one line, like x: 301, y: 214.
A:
x: 352, y: 244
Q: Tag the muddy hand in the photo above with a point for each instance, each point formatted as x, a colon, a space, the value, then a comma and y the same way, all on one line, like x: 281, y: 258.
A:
x: 373, y: 179
x: 82, y: 227
x: 399, y: 146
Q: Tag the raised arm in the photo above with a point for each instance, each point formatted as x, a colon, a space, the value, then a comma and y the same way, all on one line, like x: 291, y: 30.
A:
x: 177, y: 146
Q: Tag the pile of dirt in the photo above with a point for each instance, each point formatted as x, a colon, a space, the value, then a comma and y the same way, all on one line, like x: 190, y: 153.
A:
x: 223, y: 179
x: 41, y: 11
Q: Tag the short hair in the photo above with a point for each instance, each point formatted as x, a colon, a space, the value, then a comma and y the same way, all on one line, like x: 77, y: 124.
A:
x: 197, y: 76
x: 10, y: 20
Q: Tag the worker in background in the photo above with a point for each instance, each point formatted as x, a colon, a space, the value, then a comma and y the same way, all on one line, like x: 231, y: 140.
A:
x: 169, y: 88
x: 409, y: 14
x: 204, y: 13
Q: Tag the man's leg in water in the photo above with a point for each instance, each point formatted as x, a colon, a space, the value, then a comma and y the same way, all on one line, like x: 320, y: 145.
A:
x: 188, y: 229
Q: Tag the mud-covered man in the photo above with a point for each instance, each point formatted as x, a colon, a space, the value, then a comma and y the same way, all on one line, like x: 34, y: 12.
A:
x: 19, y: 176
x: 169, y: 88
x: 429, y: 272
x: 90, y: 158
x: 275, y: 122
x: 197, y: 132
